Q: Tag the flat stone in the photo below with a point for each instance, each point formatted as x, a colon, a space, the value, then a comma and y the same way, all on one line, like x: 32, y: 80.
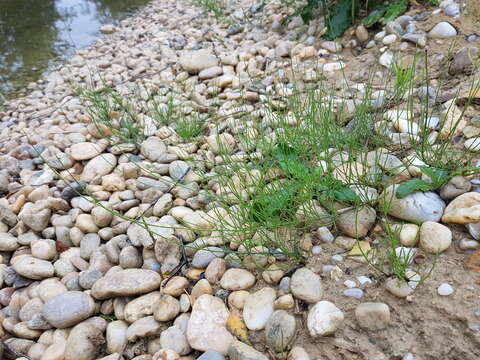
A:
x: 323, y: 319
x: 237, y: 279
x: 373, y: 316
x: 33, y: 268
x: 417, y: 207
x: 68, y: 309
x: 445, y: 289
x: 464, y: 209
x: 258, y: 308
x: 127, y: 282
x: 240, y: 351
x: 443, y: 30
x: 87, y: 150
x: 207, y: 325
x: 195, y: 61
x: 280, y: 330
x: 306, y: 285
x: 434, y: 237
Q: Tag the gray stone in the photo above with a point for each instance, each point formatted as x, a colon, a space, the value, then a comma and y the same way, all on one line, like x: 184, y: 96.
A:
x: 280, y: 330
x: 68, y: 309
x: 417, y: 207
x: 86, y: 279
x: 211, y: 355
x: 241, y: 351
x: 195, y: 61
x: 205, y: 256
x: 126, y: 283
x: 443, y: 30
x: 373, y: 316
x: 306, y: 285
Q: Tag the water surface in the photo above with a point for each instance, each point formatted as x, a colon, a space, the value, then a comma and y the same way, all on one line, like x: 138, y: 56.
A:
x: 36, y: 34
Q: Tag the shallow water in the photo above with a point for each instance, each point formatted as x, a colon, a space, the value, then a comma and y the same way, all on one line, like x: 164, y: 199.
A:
x: 36, y: 34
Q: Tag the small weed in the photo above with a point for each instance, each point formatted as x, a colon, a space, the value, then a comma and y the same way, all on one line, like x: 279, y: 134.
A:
x: 190, y: 127
x: 214, y: 7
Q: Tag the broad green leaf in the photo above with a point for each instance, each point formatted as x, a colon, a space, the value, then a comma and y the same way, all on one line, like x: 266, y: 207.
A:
x: 438, y: 176
x: 340, y: 18
x: 394, y: 10
x: 374, y: 16
x: 345, y: 194
x: 411, y: 186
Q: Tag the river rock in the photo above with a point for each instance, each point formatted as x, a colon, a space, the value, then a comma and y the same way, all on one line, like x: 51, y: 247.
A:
x: 237, y: 279
x: 84, y: 340
x: 126, y: 283
x: 417, y: 207
x: 211, y: 355
x: 167, y: 308
x: 204, y: 256
x: 153, y: 148
x: 87, y: 150
x: 456, y: 186
x: 373, y: 316
x: 434, y: 237
x: 356, y: 223
x: 142, y: 306
x: 463, y: 60
x: 258, y: 308
x: 32, y: 268
x: 35, y: 216
x: 8, y: 242
x: 116, y: 336
x: 174, y: 339
x: 195, y: 61
x: 306, y: 285
x: 298, y: 353
x: 464, y: 209
x: 68, y: 309
x: 240, y: 351
x: 146, y: 326
x: 221, y: 143
x: 443, y: 30
x: 280, y: 330
x: 207, y: 325
x: 324, y: 318
x: 98, y: 166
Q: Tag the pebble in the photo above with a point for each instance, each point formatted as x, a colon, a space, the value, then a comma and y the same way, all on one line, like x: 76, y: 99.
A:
x: 463, y: 209
x: 205, y: 256
x: 240, y: 351
x: 417, y: 207
x: 349, y: 283
x: 445, y: 289
x: 316, y: 250
x: 68, y: 309
x: 443, y: 30
x: 280, y: 330
x: 324, y: 318
x: 126, y: 283
x: 258, y: 308
x: 389, y: 39
x: 207, y: 325
x: 364, y: 280
x: 211, y: 355
x: 355, y: 292
x: 434, y: 237
x: 306, y: 285
x: 373, y: 316
x: 33, y: 268
x: 197, y: 60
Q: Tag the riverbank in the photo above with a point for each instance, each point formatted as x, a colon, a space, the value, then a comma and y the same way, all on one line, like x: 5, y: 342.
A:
x: 298, y: 198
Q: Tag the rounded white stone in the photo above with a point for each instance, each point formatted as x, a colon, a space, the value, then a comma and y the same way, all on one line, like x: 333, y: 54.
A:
x: 445, y: 289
